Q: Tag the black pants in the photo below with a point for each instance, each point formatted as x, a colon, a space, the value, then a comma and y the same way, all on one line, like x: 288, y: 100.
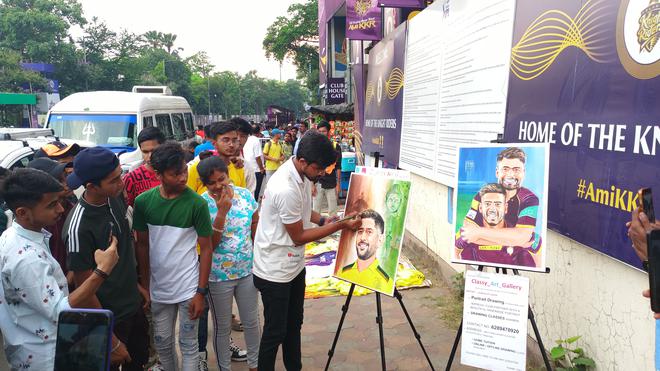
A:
x: 260, y: 179
x: 134, y: 333
x: 283, y: 319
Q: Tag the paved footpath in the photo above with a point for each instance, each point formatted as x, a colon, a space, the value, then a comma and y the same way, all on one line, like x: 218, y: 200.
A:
x: 358, y: 346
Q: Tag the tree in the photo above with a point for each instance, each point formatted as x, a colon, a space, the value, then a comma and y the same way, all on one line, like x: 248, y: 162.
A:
x: 36, y: 29
x: 199, y: 63
x: 13, y: 77
x: 154, y: 39
x: 295, y: 37
x: 168, y: 40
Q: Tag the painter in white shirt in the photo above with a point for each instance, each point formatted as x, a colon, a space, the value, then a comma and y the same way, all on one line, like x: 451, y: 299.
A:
x: 287, y: 200
x: 33, y: 293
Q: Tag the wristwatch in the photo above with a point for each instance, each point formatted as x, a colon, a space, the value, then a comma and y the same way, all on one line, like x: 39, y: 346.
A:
x: 203, y: 290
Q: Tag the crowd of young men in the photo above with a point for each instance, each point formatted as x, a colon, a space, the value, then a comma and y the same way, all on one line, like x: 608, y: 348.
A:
x: 55, y: 256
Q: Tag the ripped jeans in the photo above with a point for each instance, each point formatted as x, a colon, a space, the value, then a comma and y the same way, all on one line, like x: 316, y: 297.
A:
x: 164, y: 317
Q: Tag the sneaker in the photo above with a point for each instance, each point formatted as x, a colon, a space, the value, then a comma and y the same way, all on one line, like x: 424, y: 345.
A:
x: 156, y: 367
x: 203, y: 363
x: 237, y: 354
x: 236, y: 324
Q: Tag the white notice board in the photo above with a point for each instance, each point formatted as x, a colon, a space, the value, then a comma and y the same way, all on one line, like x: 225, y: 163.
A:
x: 457, y: 73
x: 495, y: 321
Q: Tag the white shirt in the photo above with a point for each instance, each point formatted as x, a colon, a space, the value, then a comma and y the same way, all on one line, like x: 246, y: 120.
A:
x: 33, y: 293
x: 250, y: 176
x: 287, y: 200
x: 251, y: 151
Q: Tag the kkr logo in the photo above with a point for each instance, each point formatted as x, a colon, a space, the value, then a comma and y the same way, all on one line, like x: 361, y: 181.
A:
x: 637, y: 36
x: 649, y: 27
x: 362, y: 7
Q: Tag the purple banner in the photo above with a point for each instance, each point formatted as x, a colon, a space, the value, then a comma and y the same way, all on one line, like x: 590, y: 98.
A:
x: 415, y: 4
x: 596, y: 102
x: 336, y: 91
x: 323, y: 43
x: 363, y: 20
x: 381, y: 131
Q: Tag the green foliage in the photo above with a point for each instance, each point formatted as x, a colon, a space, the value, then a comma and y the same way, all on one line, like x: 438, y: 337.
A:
x: 568, y: 357
x: 295, y: 37
x: 36, y: 28
x: 106, y: 59
x: 458, y: 285
x: 12, y: 76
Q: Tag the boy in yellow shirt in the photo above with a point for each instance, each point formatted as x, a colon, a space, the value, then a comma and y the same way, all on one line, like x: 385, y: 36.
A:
x: 224, y: 136
x: 273, y: 153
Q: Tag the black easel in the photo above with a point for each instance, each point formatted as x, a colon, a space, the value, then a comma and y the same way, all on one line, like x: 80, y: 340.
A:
x: 530, y: 316
x: 379, y: 318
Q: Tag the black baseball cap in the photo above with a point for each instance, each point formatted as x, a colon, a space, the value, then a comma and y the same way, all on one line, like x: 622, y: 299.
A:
x: 52, y: 167
x: 90, y: 164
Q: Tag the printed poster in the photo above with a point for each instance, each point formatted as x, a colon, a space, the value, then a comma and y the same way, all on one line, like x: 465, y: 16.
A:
x: 501, y: 206
x: 495, y: 321
x: 369, y: 257
x: 381, y: 131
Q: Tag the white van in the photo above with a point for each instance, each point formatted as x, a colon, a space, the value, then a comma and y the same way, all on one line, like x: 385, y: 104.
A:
x: 113, y: 119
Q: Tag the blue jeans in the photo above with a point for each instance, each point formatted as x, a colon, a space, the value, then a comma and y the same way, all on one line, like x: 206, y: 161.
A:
x: 203, y: 333
x: 165, y: 316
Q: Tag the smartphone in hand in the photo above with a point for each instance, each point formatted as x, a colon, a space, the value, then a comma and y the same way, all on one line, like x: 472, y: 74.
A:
x: 108, y: 232
x: 653, y: 245
x: 646, y: 203
x: 84, y: 340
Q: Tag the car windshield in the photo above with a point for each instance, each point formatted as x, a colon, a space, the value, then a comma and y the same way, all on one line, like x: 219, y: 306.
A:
x: 102, y: 130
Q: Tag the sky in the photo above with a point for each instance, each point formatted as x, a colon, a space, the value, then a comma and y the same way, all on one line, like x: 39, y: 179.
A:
x: 230, y: 31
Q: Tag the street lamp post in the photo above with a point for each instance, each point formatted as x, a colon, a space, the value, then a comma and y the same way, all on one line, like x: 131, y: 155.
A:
x: 208, y: 92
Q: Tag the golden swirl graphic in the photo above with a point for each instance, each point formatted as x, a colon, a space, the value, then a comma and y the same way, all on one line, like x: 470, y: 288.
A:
x: 370, y: 93
x: 554, y: 31
x: 394, y: 83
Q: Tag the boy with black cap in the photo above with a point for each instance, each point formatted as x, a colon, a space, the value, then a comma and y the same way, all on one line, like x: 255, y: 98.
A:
x: 100, y: 212
x: 60, y: 152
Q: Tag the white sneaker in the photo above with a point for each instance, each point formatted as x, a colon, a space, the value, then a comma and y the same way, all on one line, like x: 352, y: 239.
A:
x: 156, y: 367
x: 203, y: 363
x: 237, y: 354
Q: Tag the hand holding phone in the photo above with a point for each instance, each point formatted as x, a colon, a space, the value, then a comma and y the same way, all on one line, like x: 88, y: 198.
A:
x: 653, y: 245
x: 646, y: 203
x: 108, y: 258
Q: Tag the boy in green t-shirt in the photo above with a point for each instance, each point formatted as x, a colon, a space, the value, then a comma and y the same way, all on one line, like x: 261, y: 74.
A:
x: 170, y: 221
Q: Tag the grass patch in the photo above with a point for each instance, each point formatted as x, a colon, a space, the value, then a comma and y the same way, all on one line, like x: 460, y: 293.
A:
x: 451, y: 306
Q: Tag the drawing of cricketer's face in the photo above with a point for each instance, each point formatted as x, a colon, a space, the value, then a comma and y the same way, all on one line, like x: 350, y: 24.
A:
x: 510, y: 171
x: 493, y: 208
x: 370, y: 235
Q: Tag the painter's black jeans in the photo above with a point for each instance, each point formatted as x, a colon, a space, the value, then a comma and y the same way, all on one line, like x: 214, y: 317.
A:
x: 283, y: 318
